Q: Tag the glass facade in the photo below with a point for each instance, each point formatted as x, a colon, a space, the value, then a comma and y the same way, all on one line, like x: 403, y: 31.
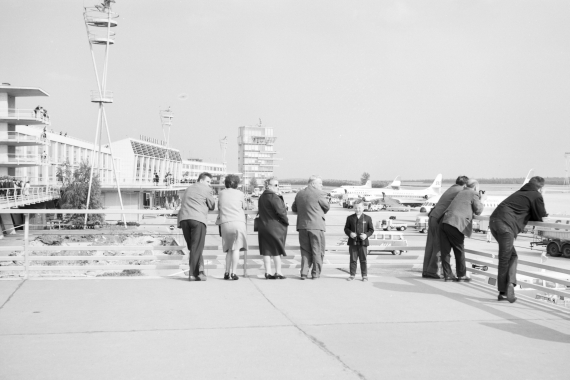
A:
x: 256, y: 154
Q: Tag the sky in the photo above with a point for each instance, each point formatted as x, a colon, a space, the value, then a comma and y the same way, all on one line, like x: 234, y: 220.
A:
x: 394, y: 87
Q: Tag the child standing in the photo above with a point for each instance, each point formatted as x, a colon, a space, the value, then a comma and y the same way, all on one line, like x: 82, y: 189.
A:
x: 358, y: 228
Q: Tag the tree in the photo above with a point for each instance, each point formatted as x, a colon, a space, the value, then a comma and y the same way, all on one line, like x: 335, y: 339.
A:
x: 74, y: 190
x: 364, y: 178
x: 253, y: 183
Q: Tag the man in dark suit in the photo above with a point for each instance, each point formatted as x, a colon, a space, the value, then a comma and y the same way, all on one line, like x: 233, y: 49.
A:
x: 457, y: 223
x: 358, y: 228
x: 506, y: 222
x: 311, y: 206
x: 432, y: 250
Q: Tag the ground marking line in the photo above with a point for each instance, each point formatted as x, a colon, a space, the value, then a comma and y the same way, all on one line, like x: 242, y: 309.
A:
x: 311, y: 338
x: 11, y: 295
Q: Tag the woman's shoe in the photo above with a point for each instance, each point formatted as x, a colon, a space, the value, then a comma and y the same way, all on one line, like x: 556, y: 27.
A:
x: 452, y: 278
x: 226, y: 276
x: 234, y: 277
x: 269, y: 276
x: 278, y: 276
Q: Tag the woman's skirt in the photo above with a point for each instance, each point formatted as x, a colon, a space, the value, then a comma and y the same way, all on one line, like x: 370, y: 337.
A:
x: 234, y: 236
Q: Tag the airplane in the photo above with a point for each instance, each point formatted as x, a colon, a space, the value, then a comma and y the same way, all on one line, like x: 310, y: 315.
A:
x: 394, y: 195
x: 490, y: 203
x: 343, y: 189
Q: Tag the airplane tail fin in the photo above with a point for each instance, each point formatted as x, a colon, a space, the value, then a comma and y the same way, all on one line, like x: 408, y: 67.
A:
x: 368, y: 184
x: 396, y: 183
x: 436, y: 185
x: 528, y: 177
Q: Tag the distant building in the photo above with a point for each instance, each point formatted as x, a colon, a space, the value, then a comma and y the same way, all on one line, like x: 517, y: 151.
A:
x: 192, y: 167
x: 256, y: 154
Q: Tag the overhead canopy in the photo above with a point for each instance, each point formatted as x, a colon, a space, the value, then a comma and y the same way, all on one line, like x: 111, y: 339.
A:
x: 22, y: 91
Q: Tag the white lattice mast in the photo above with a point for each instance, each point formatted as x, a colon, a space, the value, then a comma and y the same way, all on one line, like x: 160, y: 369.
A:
x: 166, y: 116
x: 567, y: 169
x: 224, y: 149
x: 99, y: 20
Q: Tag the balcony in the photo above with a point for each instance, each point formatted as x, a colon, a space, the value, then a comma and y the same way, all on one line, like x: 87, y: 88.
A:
x: 104, y: 97
x: 13, y: 160
x: 18, y: 116
x: 14, y: 138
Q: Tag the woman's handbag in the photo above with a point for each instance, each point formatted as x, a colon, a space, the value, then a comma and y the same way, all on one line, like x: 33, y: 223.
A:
x: 256, y: 222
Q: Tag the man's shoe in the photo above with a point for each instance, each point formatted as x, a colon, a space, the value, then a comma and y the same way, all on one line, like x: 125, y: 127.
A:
x: 192, y: 278
x: 202, y: 276
x: 501, y: 297
x: 350, y: 278
x: 303, y: 277
x: 269, y: 276
x: 364, y: 279
x: 511, y: 293
x: 462, y: 278
x: 453, y: 278
x: 226, y: 276
x: 315, y: 278
x: 430, y: 275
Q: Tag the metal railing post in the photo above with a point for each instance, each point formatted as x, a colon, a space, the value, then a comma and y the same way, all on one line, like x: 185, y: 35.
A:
x: 26, y: 245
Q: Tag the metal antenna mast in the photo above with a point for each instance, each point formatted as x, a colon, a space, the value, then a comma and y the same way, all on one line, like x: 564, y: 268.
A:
x: 567, y: 169
x: 166, y: 116
x: 98, y: 22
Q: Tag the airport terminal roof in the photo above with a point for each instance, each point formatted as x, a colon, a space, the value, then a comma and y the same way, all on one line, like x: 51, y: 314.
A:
x: 21, y: 91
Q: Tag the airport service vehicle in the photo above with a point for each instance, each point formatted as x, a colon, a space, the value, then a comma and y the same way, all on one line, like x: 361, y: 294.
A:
x: 422, y: 224
x: 557, y: 241
x: 372, y: 207
x: 398, y: 208
x: 391, y: 224
x: 480, y: 226
x: 379, y: 240
x: 348, y: 202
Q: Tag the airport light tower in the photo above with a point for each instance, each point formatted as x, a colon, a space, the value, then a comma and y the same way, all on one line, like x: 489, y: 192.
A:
x: 224, y: 148
x: 166, y: 116
x: 99, y: 20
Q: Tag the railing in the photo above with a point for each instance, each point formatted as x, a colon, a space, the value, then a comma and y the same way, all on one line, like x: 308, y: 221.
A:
x: 17, y: 137
x: 19, y: 159
x: 14, y: 197
x: 105, y: 97
x: 24, y: 114
x: 336, y: 256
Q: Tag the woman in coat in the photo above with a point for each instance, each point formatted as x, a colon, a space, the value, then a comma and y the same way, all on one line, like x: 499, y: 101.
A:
x: 231, y: 219
x: 272, y: 230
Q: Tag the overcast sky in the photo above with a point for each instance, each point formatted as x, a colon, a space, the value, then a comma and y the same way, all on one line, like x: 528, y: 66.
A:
x: 410, y: 88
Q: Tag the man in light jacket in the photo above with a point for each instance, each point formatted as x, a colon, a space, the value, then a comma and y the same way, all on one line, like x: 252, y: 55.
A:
x: 311, y: 206
x: 432, y: 250
x: 456, y: 224
x: 192, y: 218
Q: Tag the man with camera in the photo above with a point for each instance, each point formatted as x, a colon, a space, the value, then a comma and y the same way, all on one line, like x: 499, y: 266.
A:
x: 358, y: 228
x: 457, y: 223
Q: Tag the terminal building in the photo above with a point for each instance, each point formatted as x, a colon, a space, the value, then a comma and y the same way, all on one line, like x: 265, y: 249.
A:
x: 256, y: 153
x: 31, y: 150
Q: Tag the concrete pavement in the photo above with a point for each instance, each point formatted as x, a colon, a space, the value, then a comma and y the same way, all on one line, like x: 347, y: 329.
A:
x: 398, y: 325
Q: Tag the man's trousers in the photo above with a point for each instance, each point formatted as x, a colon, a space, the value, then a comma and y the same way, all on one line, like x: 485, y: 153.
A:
x: 508, y: 258
x: 450, y: 237
x: 432, y: 248
x: 358, y: 253
x: 195, y: 236
x: 312, y: 244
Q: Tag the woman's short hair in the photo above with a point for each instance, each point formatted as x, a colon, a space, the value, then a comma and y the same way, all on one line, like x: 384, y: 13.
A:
x: 232, y: 181
x: 267, y: 182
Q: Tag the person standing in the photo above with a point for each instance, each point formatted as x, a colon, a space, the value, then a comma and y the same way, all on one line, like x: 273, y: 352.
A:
x: 506, y: 222
x: 27, y: 188
x: 231, y: 219
x: 432, y: 251
x: 358, y: 228
x: 272, y: 232
x: 457, y: 223
x: 311, y: 206
x: 192, y: 218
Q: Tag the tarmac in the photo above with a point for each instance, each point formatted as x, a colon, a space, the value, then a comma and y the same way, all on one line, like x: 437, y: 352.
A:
x: 397, y: 325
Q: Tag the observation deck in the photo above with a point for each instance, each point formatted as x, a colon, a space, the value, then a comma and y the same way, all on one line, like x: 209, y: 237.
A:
x: 103, y: 97
x: 16, y: 138
x: 19, y: 116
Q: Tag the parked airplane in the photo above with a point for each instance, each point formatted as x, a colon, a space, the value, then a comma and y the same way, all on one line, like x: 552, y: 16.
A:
x: 490, y: 202
x: 395, y: 195
x: 344, y: 189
